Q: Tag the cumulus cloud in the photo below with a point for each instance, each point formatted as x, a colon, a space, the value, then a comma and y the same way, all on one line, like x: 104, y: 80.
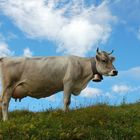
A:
x: 27, y: 52
x: 90, y: 92
x: 122, y: 89
x: 75, y: 27
x: 131, y: 73
x: 4, y: 50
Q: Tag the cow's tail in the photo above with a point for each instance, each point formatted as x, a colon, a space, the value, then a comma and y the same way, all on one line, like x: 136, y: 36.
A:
x: 1, y: 83
x: 0, y: 91
x: 1, y: 58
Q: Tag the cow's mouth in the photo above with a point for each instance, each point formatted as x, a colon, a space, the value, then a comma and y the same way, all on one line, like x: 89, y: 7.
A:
x: 113, y: 73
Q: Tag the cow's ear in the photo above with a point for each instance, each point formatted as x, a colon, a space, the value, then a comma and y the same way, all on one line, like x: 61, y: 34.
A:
x: 112, y: 59
x: 97, y: 58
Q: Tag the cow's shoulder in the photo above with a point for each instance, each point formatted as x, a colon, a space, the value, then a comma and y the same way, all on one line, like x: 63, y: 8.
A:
x: 79, y: 65
x: 79, y: 61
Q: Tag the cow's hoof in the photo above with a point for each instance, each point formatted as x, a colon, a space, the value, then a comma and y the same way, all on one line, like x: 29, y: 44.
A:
x: 66, y: 111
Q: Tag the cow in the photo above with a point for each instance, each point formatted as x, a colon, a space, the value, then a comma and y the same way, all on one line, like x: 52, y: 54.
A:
x: 0, y: 106
x: 40, y: 77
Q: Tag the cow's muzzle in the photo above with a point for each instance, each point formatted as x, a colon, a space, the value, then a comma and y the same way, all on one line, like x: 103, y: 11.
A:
x: 114, y: 73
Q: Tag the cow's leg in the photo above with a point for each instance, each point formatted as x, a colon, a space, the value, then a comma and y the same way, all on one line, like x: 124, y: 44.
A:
x: 0, y: 107
x: 5, y: 103
x: 67, y: 97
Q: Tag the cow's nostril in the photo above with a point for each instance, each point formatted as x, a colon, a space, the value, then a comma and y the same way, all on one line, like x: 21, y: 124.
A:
x: 115, y: 72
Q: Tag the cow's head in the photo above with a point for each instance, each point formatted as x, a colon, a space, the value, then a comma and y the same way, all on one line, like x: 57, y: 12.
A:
x: 104, y: 63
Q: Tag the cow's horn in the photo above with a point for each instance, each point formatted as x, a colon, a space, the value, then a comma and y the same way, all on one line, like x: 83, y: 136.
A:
x: 111, y: 52
x: 97, y: 51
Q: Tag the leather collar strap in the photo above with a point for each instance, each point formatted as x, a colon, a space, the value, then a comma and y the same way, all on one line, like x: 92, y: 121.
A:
x: 94, y: 70
x: 93, y: 65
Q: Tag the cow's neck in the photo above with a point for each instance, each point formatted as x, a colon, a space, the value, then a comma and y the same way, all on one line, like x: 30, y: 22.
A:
x: 93, y: 65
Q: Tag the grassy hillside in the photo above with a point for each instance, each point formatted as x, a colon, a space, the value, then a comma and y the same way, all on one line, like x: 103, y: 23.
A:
x: 100, y: 122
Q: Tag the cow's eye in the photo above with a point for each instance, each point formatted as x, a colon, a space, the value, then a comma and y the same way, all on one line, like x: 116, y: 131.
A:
x: 104, y: 61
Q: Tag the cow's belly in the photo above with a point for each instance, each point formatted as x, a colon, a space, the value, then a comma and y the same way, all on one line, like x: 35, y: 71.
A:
x: 36, y: 90
x: 43, y: 93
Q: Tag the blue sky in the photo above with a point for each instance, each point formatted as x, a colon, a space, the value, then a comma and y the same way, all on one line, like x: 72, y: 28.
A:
x: 48, y: 27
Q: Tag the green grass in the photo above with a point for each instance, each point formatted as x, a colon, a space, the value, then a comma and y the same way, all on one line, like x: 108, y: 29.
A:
x: 99, y: 122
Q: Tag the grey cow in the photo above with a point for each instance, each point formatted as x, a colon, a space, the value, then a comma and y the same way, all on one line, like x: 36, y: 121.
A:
x: 44, y: 76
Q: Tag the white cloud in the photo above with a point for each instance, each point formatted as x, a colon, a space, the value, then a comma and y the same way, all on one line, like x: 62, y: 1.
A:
x: 121, y: 88
x: 90, y: 92
x: 131, y: 73
x: 4, y: 50
x: 74, y: 26
x: 27, y: 52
